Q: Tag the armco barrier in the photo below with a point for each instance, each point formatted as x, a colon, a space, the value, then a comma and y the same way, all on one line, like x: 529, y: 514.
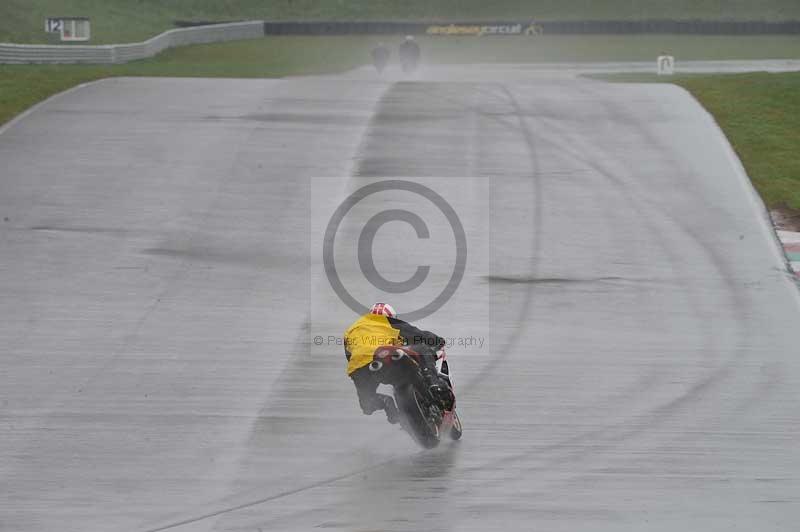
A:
x: 699, y: 27
x: 122, y: 53
x: 344, y: 28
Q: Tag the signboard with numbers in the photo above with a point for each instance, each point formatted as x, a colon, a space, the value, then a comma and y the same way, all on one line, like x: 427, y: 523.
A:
x: 53, y: 25
x: 70, y: 28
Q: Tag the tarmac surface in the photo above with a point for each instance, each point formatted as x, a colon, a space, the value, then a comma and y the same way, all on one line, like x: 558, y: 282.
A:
x: 624, y: 336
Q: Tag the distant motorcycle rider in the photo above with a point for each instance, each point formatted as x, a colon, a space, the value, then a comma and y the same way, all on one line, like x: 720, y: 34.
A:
x: 409, y: 54
x: 381, y: 327
x: 380, y: 57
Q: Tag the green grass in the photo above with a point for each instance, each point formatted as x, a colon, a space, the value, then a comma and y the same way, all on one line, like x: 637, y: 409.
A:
x: 136, y: 20
x: 577, y: 48
x: 24, y: 85
x: 760, y: 114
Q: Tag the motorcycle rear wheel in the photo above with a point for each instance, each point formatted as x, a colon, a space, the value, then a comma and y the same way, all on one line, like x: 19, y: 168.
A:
x: 414, y: 419
x: 456, y: 431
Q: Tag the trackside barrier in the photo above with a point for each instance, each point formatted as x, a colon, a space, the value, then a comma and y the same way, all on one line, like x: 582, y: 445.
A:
x: 665, y: 26
x: 122, y: 53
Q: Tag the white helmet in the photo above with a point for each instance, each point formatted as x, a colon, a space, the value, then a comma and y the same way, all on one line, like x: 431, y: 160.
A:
x: 383, y: 309
x: 409, y: 37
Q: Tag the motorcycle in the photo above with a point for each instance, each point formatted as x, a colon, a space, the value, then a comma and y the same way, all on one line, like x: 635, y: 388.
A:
x: 380, y: 57
x: 409, y: 65
x: 421, y: 414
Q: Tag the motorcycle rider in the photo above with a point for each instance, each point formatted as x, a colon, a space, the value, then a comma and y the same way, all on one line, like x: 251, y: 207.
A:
x: 380, y: 57
x: 409, y: 54
x: 380, y: 326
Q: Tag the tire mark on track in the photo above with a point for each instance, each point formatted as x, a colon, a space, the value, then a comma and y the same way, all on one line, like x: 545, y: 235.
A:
x: 292, y: 372
x: 269, y: 498
x: 659, y: 414
x: 619, y: 185
x: 520, y: 125
x: 537, y: 232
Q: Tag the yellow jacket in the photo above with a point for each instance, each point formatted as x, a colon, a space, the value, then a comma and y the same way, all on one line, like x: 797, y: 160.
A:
x: 371, y: 331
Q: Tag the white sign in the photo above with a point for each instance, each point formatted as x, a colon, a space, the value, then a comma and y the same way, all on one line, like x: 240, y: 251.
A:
x: 53, y: 25
x: 665, y: 65
x: 70, y: 28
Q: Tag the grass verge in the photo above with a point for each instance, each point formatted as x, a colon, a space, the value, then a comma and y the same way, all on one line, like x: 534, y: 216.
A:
x: 24, y: 85
x: 760, y: 114
x: 588, y: 48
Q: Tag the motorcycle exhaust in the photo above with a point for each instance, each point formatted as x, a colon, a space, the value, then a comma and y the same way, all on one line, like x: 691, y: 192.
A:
x: 375, y: 365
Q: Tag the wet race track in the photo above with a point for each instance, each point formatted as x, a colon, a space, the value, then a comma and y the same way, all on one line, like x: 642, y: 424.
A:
x: 624, y: 336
